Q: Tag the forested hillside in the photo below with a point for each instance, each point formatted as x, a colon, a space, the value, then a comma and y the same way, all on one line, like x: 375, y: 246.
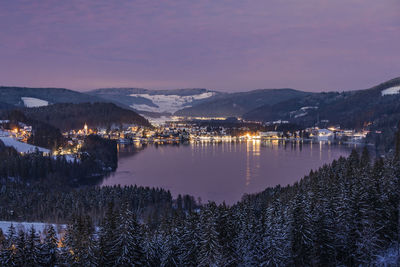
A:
x: 43, y: 134
x: 344, y: 214
x: 5, y: 106
x: 237, y: 104
x: 352, y: 109
x: 74, y: 116
x: 97, y: 157
x: 13, y: 95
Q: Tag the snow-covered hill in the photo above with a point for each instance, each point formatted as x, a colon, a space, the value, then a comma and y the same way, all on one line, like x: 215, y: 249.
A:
x: 153, y: 102
x: 168, y: 103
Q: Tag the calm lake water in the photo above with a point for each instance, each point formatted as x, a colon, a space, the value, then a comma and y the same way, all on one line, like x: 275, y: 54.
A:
x: 224, y: 171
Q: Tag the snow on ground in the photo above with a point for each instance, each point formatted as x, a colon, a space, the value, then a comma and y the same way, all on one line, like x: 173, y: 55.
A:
x: 168, y: 103
x: 4, y: 134
x: 39, y: 227
x: 20, y: 146
x: 391, y: 91
x: 310, y: 107
x: 71, y: 158
x: 68, y: 157
x: 160, y: 121
x: 300, y: 115
x: 389, y: 257
x: 31, y: 102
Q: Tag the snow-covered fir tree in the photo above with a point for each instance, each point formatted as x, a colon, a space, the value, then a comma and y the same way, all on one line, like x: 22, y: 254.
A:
x: 343, y: 214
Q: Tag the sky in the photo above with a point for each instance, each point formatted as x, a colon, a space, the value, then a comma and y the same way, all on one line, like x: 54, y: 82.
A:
x: 237, y: 45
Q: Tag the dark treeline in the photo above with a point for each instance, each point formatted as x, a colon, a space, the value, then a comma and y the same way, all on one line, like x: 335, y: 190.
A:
x: 384, y: 132
x: 43, y: 134
x: 98, y: 156
x: 344, y: 214
x: 20, y: 202
x: 99, y: 152
x: 67, y: 116
x: 37, y: 168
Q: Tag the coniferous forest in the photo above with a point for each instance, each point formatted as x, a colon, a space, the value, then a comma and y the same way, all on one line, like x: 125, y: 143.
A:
x: 200, y: 133
x: 344, y: 214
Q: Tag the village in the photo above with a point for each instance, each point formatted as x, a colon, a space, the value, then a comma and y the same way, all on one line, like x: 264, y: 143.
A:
x: 174, y: 132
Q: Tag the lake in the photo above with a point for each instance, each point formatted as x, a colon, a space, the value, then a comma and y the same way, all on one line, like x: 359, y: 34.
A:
x: 221, y: 171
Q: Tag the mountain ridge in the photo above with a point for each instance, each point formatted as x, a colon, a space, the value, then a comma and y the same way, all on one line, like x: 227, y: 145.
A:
x: 348, y: 108
x: 257, y: 104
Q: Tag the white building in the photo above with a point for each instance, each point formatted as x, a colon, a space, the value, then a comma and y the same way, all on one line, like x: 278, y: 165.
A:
x: 271, y: 134
x: 324, y: 135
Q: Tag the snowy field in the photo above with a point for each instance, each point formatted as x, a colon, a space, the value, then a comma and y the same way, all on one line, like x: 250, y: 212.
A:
x: 31, y: 102
x: 390, y: 257
x: 168, y: 103
x: 391, y: 91
x: 161, y: 120
x: 22, y: 147
x: 70, y: 158
x: 39, y: 227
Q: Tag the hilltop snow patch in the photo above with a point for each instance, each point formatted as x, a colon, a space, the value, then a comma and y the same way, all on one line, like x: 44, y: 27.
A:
x: 391, y: 91
x: 31, y: 102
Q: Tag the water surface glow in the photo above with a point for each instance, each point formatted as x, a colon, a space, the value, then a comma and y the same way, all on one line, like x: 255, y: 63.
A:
x: 224, y: 171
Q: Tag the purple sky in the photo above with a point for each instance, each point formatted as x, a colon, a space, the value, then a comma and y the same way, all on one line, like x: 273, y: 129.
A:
x: 237, y: 45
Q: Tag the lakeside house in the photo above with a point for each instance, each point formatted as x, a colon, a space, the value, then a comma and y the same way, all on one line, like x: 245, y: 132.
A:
x: 271, y: 135
x: 324, y: 135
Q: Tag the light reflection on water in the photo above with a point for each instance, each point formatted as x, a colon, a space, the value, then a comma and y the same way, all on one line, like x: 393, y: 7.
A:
x: 221, y: 171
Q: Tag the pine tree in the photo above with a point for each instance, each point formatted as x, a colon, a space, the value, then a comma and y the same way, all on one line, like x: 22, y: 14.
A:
x: 90, y: 245
x: 2, y: 239
x: 49, y: 249
x: 244, y: 225
x: 275, y: 245
x: 169, y: 253
x: 68, y: 251
x: 210, y: 249
x: 80, y: 246
x: 8, y: 255
x: 152, y: 246
x: 301, y: 235
x: 3, y: 247
x: 32, y: 247
x: 128, y: 244
x: 107, y: 238
x: 323, y: 225
x: 190, y: 240
x: 226, y: 235
x: 20, y: 257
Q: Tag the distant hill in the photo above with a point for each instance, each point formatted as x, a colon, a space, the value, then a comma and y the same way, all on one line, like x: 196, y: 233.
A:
x: 5, y: 106
x: 349, y: 109
x: 237, y: 104
x: 155, y: 102
x: 16, y: 95
x: 66, y: 116
x: 378, y: 105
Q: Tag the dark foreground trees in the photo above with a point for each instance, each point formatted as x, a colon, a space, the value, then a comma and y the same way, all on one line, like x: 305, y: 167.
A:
x: 344, y: 214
